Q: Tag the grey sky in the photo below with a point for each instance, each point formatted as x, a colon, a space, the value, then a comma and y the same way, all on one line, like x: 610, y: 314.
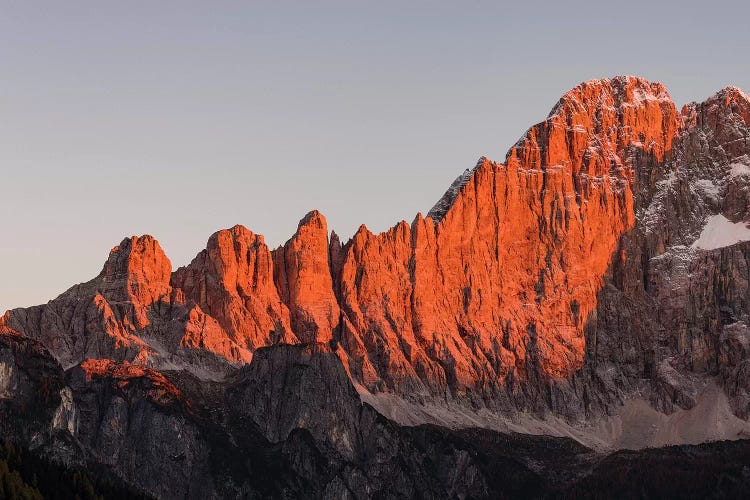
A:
x: 177, y: 119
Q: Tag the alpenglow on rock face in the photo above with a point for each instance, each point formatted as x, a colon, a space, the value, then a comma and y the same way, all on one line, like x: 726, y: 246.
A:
x: 594, y: 285
x: 579, y: 270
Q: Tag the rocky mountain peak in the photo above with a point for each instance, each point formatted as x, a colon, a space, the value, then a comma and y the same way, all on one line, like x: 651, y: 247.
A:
x: 304, y: 279
x: 313, y: 220
x: 734, y: 95
x: 232, y: 281
x: 137, y: 270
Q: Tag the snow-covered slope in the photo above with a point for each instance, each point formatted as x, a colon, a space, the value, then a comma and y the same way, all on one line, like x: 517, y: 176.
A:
x: 721, y: 232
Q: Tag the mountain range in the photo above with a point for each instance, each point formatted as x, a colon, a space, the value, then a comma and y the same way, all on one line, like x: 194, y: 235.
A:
x: 557, y: 324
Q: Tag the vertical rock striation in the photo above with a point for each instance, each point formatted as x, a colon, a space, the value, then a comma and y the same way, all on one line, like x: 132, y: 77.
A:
x: 233, y: 282
x: 303, y: 276
x: 498, y: 288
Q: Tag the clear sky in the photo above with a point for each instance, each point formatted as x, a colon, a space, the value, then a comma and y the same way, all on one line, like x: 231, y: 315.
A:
x: 177, y: 119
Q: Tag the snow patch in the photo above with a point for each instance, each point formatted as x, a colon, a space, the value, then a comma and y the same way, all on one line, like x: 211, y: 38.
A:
x: 667, y: 181
x: 739, y: 170
x: 444, y: 204
x: 721, y: 232
x: 640, y: 96
x: 708, y: 187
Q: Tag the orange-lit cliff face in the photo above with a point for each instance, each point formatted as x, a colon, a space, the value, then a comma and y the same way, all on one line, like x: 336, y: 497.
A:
x: 495, y: 285
x: 106, y: 316
x: 511, y: 271
x: 303, y: 277
x: 232, y: 282
x: 137, y: 273
x: 122, y: 376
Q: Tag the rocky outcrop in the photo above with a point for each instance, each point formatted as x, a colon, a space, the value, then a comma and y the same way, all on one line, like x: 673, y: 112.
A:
x: 101, y: 318
x: 31, y: 381
x: 233, y: 282
x: 303, y: 277
x: 734, y: 365
x: 298, y: 386
x: 135, y: 277
x: 133, y: 420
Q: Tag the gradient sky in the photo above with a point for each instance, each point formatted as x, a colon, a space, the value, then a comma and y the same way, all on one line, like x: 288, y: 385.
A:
x: 177, y: 119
